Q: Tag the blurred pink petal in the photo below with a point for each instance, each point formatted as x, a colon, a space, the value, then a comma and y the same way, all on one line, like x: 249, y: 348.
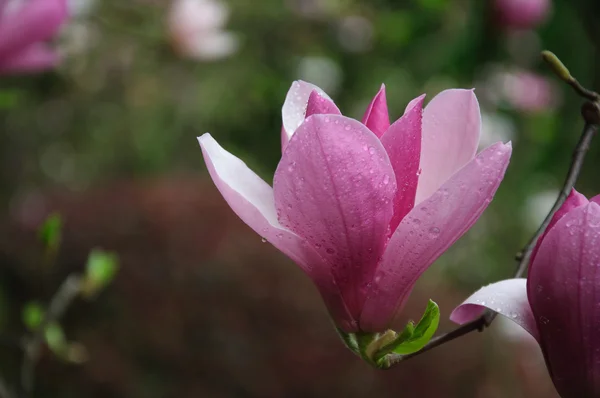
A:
x: 376, y: 117
x: 252, y: 200
x: 402, y: 141
x: 521, y: 14
x: 564, y: 295
x: 293, y: 111
x: 430, y: 228
x: 335, y: 187
x: 508, y: 298
x: 35, y: 21
x: 451, y: 130
x: 196, y: 29
x: 34, y: 58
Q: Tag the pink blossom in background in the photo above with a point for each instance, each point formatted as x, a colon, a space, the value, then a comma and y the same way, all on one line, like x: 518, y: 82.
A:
x: 523, y: 90
x: 196, y: 29
x: 559, y: 303
x: 521, y: 14
x: 25, y: 27
x: 529, y: 92
x: 364, y: 208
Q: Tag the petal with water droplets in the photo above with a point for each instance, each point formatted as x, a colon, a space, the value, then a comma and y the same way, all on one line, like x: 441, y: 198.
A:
x: 376, y: 117
x: 451, y: 130
x: 251, y: 198
x: 320, y: 105
x: 334, y: 187
x: 429, y: 229
x: 508, y: 298
x: 564, y: 288
x: 402, y: 141
x: 293, y: 111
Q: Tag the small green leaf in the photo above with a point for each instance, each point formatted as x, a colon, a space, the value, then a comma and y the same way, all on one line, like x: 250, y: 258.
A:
x: 55, y: 338
x: 51, y: 231
x: 101, y: 268
x: 33, y: 315
x: 422, y: 333
x: 413, y: 338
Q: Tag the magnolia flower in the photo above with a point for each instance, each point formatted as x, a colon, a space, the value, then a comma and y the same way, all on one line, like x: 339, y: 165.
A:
x: 559, y: 302
x: 522, y: 14
x: 24, y: 28
x: 196, y: 29
x: 364, y: 208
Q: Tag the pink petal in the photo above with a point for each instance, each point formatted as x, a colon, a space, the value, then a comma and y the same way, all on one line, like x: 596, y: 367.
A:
x: 251, y: 199
x: 37, y: 20
x: 451, y: 129
x: 319, y: 105
x: 508, y: 298
x: 376, y: 117
x: 575, y: 199
x: 564, y: 293
x: 402, y: 141
x: 34, y: 58
x: 334, y: 187
x: 428, y: 230
x: 294, y: 108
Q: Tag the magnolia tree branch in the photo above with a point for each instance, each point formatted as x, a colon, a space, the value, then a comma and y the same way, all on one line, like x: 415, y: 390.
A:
x: 591, y: 115
x: 62, y: 299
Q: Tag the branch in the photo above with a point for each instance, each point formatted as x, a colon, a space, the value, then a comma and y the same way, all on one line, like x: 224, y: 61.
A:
x: 62, y: 299
x: 591, y: 114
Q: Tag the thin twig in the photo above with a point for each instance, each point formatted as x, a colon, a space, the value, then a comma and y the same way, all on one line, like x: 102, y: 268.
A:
x: 591, y: 114
x: 4, y: 391
x: 62, y: 299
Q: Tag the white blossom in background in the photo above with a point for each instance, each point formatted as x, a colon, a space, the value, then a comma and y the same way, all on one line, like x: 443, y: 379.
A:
x: 196, y: 29
x: 78, y: 35
x: 321, y: 71
x: 496, y: 127
x: 537, y: 207
x: 81, y: 8
x: 355, y: 34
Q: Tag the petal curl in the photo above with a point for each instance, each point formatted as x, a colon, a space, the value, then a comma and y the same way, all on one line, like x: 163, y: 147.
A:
x: 293, y: 111
x: 451, y: 130
x: 428, y: 230
x: 319, y: 105
x: 508, y: 298
x: 402, y: 141
x: 251, y: 198
x: 376, y: 117
x: 335, y: 188
x: 564, y: 293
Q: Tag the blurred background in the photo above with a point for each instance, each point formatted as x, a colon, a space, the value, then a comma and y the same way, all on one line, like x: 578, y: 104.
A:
x: 200, y: 306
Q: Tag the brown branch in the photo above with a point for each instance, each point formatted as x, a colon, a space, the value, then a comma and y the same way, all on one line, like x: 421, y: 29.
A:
x: 591, y: 115
x: 62, y: 299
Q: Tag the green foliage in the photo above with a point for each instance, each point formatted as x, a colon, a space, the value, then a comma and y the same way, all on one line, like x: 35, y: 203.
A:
x: 33, y: 315
x: 101, y: 269
x: 412, y: 338
x: 55, y: 339
x: 50, y: 233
